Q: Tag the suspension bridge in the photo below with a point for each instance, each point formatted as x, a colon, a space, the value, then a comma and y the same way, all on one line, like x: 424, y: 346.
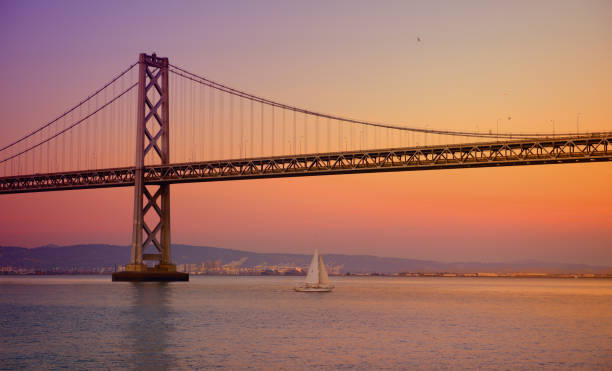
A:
x: 155, y: 124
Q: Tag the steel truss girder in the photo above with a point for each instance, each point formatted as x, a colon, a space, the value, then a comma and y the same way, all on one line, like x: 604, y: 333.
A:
x: 591, y: 148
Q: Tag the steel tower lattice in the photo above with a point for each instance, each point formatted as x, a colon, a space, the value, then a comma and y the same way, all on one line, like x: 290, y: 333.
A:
x: 153, y: 144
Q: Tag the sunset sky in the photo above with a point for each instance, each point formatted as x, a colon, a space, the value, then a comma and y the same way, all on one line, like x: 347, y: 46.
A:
x: 476, y: 61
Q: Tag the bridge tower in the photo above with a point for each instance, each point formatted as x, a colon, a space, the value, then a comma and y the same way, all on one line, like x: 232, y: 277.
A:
x: 151, y: 242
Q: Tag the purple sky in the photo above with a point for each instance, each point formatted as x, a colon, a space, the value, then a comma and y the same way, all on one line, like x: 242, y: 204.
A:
x: 477, y: 61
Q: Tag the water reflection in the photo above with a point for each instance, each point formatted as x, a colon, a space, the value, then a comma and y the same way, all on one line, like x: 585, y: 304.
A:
x: 149, y: 326
x: 260, y: 323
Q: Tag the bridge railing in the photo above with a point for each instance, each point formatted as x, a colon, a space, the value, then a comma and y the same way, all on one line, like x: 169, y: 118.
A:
x: 594, y: 147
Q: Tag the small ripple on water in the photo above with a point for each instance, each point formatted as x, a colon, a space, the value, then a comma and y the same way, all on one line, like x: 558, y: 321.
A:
x: 260, y: 322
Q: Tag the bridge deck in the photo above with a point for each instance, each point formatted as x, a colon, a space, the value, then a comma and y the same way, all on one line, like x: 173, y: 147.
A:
x: 588, y: 148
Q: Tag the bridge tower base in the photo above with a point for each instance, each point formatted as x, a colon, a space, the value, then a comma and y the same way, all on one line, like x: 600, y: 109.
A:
x: 150, y: 276
x: 151, y: 202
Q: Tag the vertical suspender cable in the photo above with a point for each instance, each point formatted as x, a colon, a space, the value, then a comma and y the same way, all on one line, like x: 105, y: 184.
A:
x: 251, y: 143
x: 56, y: 146
x: 48, y: 151
x: 317, y: 134
x: 294, y: 134
x: 40, y: 152
x: 69, y: 134
x: 362, y: 138
x: 173, y: 117
x: 78, y: 141
x: 184, y: 119
x: 376, y: 137
x: 89, y: 164
x: 115, y: 147
x: 193, y: 134
x: 305, y: 133
x: 26, y: 144
x: 122, y: 119
x: 241, y: 129
x: 203, y: 121
x: 212, y: 123
x: 103, y: 131
x: 95, y: 137
x: 352, y: 146
x: 328, y: 149
x: 388, y: 140
x: 231, y: 123
x: 63, y: 150
x: 341, y: 135
x: 221, y: 127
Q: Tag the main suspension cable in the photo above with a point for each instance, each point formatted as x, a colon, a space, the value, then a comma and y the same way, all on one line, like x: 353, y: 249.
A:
x: 70, y: 110
x: 202, y: 80
x: 58, y: 133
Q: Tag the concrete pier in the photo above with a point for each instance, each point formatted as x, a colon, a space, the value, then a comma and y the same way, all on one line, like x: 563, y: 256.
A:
x: 150, y: 276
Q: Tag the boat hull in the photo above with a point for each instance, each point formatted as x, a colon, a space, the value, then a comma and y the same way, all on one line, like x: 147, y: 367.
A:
x: 314, y: 289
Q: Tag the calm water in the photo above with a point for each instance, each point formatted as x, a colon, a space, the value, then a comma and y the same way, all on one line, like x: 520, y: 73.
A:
x: 257, y: 322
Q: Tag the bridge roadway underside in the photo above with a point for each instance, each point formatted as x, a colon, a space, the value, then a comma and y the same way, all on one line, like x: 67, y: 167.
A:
x: 591, y: 148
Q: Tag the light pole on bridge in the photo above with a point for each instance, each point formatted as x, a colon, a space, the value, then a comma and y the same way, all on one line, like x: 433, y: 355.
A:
x: 553, y: 125
x: 498, y: 120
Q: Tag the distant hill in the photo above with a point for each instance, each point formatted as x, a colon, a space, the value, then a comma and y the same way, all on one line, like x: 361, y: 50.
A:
x: 91, y: 256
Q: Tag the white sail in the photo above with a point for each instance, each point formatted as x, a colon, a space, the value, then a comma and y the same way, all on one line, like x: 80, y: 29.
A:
x: 323, y: 277
x: 313, y: 271
x: 317, y: 279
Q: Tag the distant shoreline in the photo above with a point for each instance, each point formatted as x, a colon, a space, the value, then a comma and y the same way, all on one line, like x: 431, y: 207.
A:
x: 394, y: 275
x: 196, y: 260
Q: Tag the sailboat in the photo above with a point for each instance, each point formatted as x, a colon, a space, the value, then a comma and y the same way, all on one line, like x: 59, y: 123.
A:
x: 317, y: 279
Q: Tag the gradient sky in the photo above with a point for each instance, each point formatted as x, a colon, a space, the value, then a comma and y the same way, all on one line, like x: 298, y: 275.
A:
x: 477, y: 61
